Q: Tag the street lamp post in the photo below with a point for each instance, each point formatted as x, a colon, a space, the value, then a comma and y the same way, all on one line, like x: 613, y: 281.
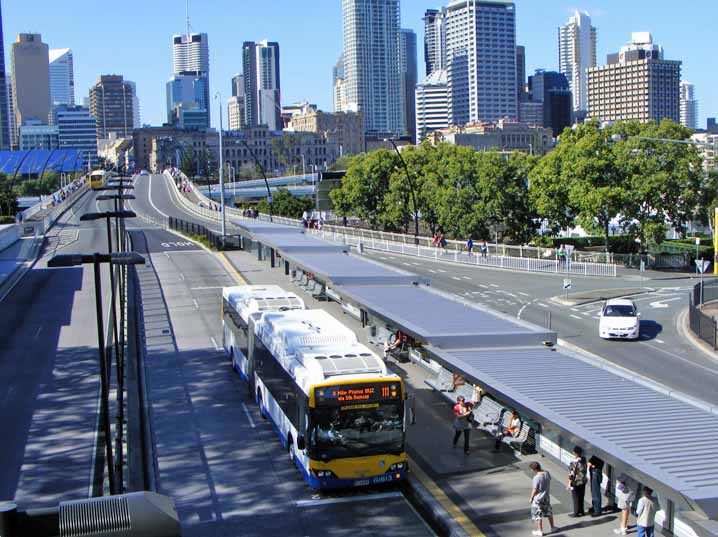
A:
x: 73, y: 260
x: 218, y: 96
x: 264, y: 175
x: 411, y: 189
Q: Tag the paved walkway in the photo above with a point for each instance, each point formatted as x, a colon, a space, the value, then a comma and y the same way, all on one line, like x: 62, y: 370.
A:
x: 15, y: 256
x: 491, y: 489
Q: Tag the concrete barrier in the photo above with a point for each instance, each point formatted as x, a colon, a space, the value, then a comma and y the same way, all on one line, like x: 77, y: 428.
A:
x: 9, y: 234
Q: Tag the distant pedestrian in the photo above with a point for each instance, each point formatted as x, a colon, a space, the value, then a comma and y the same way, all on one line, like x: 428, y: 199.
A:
x: 513, y: 430
x: 484, y: 248
x: 344, y: 221
x: 595, y: 471
x: 436, y: 240
x: 646, y: 514
x: 305, y: 218
x: 577, y: 481
x: 541, y: 499
x: 461, y: 422
x: 470, y: 245
x: 624, y: 498
x: 561, y: 255
x: 442, y: 243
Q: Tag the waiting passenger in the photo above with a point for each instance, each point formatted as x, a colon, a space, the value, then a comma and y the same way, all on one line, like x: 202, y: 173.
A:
x: 462, y: 424
x: 541, y: 499
x: 577, y: 481
x: 513, y: 430
x: 624, y: 498
x: 646, y: 514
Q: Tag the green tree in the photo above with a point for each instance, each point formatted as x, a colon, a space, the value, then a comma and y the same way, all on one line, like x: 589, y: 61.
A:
x: 248, y: 171
x: 365, y: 186
x: 285, y: 204
x: 8, y: 198
x: 342, y: 163
x: 286, y: 150
x: 663, y: 179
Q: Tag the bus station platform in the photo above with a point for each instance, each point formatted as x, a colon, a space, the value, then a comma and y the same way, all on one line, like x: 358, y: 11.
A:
x: 654, y: 438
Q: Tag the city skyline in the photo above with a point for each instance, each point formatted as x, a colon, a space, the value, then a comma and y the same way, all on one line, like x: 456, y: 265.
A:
x: 310, y: 50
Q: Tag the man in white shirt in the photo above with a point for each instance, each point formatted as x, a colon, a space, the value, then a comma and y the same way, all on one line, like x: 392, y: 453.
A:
x: 646, y: 514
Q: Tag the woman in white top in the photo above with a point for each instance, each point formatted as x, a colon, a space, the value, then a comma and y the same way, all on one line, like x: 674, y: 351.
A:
x: 624, y: 498
x: 513, y: 430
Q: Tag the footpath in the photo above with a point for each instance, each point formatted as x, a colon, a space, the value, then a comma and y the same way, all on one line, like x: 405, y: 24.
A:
x: 486, y: 493
x: 15, y: 259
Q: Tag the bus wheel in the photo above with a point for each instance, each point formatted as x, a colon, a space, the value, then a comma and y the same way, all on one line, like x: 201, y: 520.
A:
x: 262, y: 411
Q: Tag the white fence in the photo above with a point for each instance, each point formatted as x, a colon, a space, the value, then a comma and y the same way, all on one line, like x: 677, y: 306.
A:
x: 396, y: 243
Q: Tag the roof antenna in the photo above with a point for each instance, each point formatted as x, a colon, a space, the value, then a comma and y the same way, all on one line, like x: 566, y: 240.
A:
x: 187, y: 12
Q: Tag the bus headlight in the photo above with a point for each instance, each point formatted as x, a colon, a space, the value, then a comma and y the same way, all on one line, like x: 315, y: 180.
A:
x: 397, y: 466
x: 323, y: 473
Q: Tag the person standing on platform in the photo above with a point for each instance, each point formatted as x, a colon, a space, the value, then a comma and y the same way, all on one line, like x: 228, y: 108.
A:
x: 595, y: 470
x: 646, y: 514
x: 541, y: 499
x: 624, y: 498
x: 577, y: 481
x: 461, y: 422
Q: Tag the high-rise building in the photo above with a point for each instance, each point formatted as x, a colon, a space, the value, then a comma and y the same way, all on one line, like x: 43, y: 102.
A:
x: 689, y: 106
x: 551, y: 89
x: 435, y: 40
x: 371, y: 63
x: 62, y: 77
x: 77, y: 130
x: 238, y: 85
x: 636, y: 84
x: 236, y: 113
x: 262, y: 87
x: 712, y: 125
x: 432, y: 104
x: 187, y: 106
x: 190, y: 54
x: 340, y: 94
x: 576, y: 53
x: 408, y: 69
x: 35, y: 135
x: 112, y: 106
x: 481, y: 61
x: 136, y: 122
x: 31, y: 79
x: 520, y: 70
x: 5, y: 105
x: 10, y: 114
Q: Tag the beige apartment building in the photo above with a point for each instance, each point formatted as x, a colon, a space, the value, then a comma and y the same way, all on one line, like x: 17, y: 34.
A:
x: 343, y: 129
x: 30, y: 59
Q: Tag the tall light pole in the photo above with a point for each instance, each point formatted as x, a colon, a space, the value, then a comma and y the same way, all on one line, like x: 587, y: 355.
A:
x: 218, y: 96
x: 264, y: 175
x: 411, y: 189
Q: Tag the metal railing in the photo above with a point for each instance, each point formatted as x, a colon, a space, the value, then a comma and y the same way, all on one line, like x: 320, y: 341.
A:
x: 703, y: 326
x: 213, y: 239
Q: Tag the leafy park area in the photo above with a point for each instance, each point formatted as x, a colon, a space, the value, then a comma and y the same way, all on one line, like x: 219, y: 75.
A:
x: 594, y: 176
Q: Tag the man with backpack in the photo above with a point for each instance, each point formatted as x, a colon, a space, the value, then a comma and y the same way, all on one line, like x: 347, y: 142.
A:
x: 577, y: 481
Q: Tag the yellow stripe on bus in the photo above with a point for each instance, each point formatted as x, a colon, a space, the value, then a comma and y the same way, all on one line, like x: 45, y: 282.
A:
x: 454, y: 510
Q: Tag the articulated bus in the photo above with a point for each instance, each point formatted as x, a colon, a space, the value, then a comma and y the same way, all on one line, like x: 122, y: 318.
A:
x: 97, y: 178
x: 330, y: 399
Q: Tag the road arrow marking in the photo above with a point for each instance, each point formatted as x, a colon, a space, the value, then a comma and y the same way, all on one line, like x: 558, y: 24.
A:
x: 662, y: 303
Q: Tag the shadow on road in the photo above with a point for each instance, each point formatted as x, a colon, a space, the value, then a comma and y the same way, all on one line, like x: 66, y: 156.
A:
x: 650, y: 329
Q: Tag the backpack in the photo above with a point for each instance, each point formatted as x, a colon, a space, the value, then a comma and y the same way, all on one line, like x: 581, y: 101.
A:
x: 578, y: 472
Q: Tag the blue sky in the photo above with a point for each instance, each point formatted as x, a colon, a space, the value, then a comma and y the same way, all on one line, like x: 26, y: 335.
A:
x: 133, y: 38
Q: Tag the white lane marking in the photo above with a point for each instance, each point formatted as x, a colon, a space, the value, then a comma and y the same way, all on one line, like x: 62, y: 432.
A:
x: 674, y: 355
x: 440, y: 270
x: 456, y: 278
x: 494, y: 285
x: 214, y: 342
x: 574, y: 309
x: 586, y: 313
x: 512, y: 295
x: 466, y: 277
x: 195, y: 303
x: 524, y: 294
x: 417, y: 264
x: 407, y: 264
x: 484, y: 286
x: 205, y: 288
x: 249, y: 416
x: 349, y: 499
x: 576, y: 317
x: 181, y: 276
x: 432, y: 271
x: 518, y: 315
x: 542, y: 305
x: 39, y: 329
x: 149, y: 191
x: 659, y: 340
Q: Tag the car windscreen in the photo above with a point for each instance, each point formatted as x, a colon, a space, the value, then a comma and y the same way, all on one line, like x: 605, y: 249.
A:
x: 620, y: 310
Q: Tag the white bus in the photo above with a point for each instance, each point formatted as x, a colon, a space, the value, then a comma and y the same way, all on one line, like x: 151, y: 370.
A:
x: 334, y: 406
x: 241, y: 302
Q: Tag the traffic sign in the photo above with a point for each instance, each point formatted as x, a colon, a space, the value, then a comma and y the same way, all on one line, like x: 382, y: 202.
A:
x: 566, y: 283
x: 702, y: 265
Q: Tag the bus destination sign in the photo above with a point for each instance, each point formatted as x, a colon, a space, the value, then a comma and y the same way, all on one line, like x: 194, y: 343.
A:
x: 343, y: 394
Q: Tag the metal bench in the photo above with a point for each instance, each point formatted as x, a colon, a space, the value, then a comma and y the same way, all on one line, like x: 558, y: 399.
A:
x: 525, y: 442
x: 488, y: 414
x: 317, y: 291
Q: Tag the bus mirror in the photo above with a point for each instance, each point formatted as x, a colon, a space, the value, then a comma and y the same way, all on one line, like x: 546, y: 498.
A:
x: 301, y: 444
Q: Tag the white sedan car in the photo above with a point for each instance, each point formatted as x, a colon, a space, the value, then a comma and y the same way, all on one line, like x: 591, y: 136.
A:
x: 619, y: 320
